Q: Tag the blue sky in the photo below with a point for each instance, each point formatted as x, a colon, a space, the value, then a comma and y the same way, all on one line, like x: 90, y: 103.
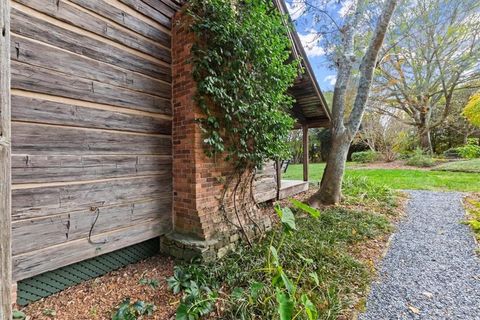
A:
x: 316, y: 53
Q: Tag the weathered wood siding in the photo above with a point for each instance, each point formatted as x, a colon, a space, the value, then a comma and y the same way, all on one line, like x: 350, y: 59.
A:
x: 5, y: 166
x: 91, y: 125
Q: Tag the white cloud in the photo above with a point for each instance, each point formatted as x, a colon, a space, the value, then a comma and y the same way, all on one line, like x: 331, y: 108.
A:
x: 332, y: 79
x: 296, y: 9
x: 311, y: 44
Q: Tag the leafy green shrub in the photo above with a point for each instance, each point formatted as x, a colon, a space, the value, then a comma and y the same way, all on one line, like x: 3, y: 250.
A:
x: 472, y: 110
x: 196, y: 302
x: 198, y: 296
x: 133, y: 311
x: 420, y: 159
x: 365, y: 156
x: 452, y: 153
x: 471, y: 150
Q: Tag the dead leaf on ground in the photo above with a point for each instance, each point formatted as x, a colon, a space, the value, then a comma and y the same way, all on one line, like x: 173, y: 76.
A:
x: 414, y: 309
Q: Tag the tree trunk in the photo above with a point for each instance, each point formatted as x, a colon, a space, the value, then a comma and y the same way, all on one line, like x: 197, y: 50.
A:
x: 331, y: 187
x: 465, y: 137
x: 425, y: 139
x: 342, y: 133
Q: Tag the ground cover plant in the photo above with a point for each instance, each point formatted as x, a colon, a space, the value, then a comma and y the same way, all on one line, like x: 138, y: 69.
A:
x: 304, y: 269
x: 420, y: 159
x: 129, y: 310
x: 402, y: 179
x: 472, y: 204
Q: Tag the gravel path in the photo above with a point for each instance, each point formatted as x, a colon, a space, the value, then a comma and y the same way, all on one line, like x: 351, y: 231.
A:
x: 430, y: 270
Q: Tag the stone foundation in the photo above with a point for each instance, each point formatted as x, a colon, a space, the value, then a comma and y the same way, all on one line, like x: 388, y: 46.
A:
x: 186, y: 247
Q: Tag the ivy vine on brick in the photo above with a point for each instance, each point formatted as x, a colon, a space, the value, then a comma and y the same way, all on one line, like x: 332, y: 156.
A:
x: 243, y: 68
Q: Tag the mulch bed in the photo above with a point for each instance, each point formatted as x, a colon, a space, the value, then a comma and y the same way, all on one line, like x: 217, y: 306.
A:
x: 98, y: 298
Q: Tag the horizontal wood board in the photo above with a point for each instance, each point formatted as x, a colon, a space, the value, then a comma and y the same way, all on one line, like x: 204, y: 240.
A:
x: 91, y: 128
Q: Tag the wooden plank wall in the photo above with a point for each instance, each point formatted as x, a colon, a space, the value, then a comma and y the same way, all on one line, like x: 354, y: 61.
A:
x: 5, y: 165
x: 91, y: 123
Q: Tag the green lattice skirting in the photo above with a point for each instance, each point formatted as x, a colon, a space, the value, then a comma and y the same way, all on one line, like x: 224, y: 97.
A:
x: 51, y: 282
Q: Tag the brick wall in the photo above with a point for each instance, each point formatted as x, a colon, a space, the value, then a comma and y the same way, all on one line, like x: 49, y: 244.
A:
x: 185, y: 131
x: 199, y: 181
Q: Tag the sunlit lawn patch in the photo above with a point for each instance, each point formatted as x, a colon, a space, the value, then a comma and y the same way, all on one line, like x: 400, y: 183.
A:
x: 402, y: 179
x: 472, y: 166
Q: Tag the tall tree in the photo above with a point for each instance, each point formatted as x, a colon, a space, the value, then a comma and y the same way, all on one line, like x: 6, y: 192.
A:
x: 457, y: 128
x: 350, y: 55
x: 383, y: 134
x: 432, y: 53
x: 472, y: 110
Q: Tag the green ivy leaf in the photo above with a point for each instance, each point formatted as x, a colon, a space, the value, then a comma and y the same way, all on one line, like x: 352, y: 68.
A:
x: 139, y: 307
x: 123, y: 312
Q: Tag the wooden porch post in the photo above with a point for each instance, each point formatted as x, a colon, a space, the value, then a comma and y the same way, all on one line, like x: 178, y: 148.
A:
x: 278, y: 168
x: 305, y: 152
x: 5, y: 166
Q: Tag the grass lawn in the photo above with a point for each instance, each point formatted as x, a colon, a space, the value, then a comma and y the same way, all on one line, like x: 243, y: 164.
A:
x: 472, y: 166
x: 399, y: 178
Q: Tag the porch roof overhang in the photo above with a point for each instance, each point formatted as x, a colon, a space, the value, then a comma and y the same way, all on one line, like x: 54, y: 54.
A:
x: 310, y: 108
